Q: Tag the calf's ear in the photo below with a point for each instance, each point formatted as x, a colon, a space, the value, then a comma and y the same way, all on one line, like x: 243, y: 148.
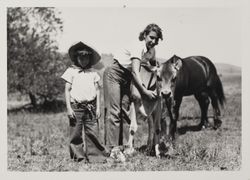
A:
x: 178, y: 64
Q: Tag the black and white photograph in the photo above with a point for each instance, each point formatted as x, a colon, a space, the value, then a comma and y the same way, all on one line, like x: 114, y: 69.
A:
x: 126, y: 86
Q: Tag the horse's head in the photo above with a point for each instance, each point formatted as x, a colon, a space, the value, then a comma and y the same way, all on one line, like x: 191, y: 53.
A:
x: 167, y: 73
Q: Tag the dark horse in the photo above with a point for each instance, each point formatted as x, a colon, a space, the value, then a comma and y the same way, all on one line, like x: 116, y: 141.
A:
x: 194, y: 75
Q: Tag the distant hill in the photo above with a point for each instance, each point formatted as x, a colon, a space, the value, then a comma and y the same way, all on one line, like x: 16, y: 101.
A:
x: 224, y: 68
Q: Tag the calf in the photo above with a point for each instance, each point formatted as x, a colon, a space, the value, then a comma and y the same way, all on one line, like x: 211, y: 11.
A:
x: 151, y: 109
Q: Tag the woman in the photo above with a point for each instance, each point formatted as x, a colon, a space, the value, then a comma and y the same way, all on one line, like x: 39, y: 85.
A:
x: 117, y: 81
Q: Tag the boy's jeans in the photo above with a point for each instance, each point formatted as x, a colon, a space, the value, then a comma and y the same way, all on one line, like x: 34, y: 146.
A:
x: 85, y: 121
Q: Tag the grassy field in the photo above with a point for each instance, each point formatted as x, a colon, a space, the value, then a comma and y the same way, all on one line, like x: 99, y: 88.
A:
x: 38, y: 141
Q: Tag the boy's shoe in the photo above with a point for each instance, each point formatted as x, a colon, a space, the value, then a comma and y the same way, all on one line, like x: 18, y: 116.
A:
x: 76, y: 152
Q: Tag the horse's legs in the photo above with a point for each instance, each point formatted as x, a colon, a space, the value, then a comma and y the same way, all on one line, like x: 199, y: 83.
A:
x: 216, y: 109
x: 203, y: 101
x: 176, y: 108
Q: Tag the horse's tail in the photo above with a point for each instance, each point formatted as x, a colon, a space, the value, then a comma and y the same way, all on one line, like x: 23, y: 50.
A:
x: 219, y: 91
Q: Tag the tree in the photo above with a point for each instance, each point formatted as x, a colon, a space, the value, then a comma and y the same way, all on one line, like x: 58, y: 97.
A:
x: 33, y: 62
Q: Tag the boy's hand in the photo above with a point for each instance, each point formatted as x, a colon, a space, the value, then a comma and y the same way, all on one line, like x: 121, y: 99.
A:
x: 72, y: 117
x: 70, y: 112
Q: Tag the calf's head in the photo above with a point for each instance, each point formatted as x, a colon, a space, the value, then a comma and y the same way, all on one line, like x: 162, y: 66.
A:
x: 167, y: 73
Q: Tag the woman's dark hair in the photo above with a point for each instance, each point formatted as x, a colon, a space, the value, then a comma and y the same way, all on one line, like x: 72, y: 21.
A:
x: 148, y: 29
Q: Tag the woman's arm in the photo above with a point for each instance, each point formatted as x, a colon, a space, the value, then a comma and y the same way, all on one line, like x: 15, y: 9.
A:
x: 138, y: 81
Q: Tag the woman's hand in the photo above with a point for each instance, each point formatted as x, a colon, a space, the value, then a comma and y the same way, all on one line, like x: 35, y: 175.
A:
x: 150, y: 94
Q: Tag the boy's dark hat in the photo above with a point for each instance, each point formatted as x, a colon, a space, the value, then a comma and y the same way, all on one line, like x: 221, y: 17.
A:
x: 81, y: 46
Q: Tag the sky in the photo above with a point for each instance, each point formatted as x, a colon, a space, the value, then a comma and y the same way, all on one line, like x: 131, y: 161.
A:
x: 214, y: 32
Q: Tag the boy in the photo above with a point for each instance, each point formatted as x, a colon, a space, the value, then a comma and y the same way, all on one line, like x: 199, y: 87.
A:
x: 83, y: 104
